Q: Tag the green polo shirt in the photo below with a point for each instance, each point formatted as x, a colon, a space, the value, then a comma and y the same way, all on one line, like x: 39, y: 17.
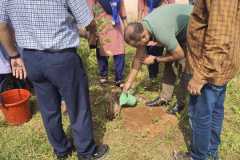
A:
x: 168, y: 24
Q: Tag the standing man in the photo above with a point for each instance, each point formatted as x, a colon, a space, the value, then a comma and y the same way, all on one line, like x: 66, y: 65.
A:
x: 48, y: 32
x: 166, y: 25
x: 213, y: 56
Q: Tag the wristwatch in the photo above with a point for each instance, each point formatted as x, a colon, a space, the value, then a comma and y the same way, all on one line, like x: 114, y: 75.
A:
x: 15, y: 57
x: 156, y: 60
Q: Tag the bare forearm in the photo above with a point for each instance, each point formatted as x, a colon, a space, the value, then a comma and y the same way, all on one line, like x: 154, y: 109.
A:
x: 132, y: 75
x: 172, y: 56
x: 140, y: 15
x: 83, y: 33
x: 7, y: 39
x: 124, y: 20
x: 136, y: 66
x: 92, y: 27
x: 165, y: 59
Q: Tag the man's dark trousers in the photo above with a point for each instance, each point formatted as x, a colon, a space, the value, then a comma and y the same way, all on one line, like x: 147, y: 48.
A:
x: 153, y: 69
x: 62, y: 73
x: 206, y: 114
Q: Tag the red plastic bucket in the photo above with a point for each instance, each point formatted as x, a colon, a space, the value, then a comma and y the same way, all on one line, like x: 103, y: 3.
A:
x: 15, y: 106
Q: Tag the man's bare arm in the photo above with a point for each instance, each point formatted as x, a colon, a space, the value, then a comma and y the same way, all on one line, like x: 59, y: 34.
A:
x: 136, y: 66
x: 7, y: 39
x: 175, y: 55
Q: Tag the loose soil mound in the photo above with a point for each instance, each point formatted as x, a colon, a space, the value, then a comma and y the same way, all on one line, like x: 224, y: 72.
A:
x: 152, y: 121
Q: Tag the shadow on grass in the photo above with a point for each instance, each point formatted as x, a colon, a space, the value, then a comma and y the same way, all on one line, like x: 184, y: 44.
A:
x: 33, y: 105
x: 3, y: 124
x: 99, y: 104
x: 185, y: 128
x: 103, y: 99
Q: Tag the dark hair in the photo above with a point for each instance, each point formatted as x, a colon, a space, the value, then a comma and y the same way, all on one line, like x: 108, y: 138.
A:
x: 135, y: 34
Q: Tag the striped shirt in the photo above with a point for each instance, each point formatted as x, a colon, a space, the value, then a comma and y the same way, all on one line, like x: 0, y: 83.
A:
x: 214, y: 40
x: 46, y: 24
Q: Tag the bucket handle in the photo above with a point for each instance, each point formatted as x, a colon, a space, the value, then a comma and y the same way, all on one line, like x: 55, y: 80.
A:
x: 1, y: 88
x: 4, y: 82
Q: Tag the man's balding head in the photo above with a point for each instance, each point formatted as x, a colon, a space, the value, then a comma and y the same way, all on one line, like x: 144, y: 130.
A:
x: 136, y: 35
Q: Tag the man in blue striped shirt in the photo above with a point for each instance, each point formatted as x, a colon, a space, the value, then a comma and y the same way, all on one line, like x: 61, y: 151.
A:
x: 48, y: 32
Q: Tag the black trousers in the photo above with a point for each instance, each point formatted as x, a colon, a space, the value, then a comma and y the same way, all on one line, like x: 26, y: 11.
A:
x: 153, y: 69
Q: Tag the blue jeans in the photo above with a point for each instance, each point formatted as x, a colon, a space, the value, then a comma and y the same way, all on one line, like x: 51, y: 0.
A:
x: 206, y: 114
x: 119, y: 64
x: 62, y: 74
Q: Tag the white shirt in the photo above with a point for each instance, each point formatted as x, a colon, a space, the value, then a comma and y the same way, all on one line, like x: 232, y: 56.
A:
x: 4, y: 63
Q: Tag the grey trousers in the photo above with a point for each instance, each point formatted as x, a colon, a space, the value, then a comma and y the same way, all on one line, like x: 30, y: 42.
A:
x: 173, y: 72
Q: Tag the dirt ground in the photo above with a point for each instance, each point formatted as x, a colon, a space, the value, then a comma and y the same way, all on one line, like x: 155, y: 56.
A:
x: 150, y: 121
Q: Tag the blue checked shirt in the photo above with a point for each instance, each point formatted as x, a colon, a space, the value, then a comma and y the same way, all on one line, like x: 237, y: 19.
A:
x: 46, y: 24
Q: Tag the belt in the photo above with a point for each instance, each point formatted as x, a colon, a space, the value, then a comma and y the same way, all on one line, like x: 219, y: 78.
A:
x: 52, y: 51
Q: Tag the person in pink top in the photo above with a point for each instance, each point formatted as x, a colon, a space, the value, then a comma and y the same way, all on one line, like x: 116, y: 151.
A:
x: 110, y: 16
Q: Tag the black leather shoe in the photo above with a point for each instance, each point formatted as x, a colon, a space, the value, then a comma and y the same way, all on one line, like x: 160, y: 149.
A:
x: 214, y: 157
x: 182, y: 156
x: 157, y: 102
x: 99, y: 153
x: 65, y: 156
x: 119, y: 83
x: 176, y: 109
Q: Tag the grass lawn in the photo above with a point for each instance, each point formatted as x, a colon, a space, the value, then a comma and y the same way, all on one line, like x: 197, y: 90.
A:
x: 29, y: 141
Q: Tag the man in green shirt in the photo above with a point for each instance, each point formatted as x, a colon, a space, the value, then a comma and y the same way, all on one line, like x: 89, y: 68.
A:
x: 166, y: 25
